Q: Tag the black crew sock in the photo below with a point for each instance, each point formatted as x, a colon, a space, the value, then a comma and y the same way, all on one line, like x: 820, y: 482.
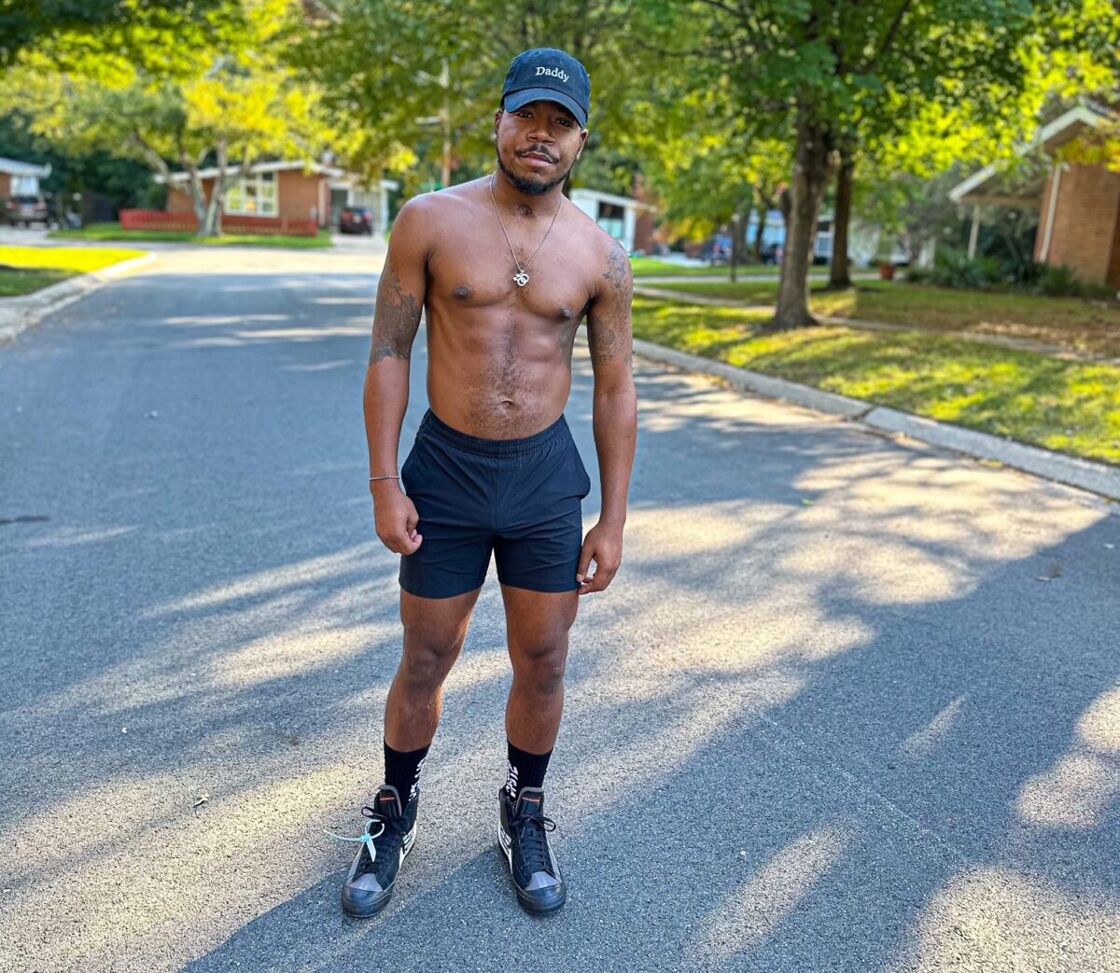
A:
x: 402, y: 770
x: 524, y: 770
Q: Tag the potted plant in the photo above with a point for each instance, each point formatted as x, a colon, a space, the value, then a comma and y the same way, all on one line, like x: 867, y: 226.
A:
x: 884, y: 255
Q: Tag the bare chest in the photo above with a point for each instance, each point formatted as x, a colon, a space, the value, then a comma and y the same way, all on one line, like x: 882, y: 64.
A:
x: 478, y: 270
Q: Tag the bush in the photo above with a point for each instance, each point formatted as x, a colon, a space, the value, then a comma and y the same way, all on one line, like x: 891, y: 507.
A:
x: 1062, y: 282
x: 952, y: 268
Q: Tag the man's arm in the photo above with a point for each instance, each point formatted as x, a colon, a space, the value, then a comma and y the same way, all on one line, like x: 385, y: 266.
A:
x: 400, y: 301
x: 614, y: 417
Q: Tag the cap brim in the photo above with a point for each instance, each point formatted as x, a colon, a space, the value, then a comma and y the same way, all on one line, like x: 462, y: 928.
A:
x: 519, y: 99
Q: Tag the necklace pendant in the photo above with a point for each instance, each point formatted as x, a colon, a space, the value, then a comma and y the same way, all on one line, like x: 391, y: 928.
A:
x: 521, y: 278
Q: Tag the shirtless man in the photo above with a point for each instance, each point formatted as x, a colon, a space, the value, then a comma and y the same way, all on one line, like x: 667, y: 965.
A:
x: 506, y: 268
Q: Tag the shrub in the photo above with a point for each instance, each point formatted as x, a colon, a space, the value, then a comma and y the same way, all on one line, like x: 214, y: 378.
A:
x: 952, y: 268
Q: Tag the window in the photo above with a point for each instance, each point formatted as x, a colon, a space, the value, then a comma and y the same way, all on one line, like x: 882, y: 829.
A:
x: 252, y: 196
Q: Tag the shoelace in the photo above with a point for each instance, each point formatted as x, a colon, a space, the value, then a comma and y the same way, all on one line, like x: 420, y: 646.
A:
x: 532, y: 840
x: 369, y: 835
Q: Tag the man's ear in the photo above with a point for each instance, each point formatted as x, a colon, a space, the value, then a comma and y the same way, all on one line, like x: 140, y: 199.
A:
x: 497, y: 119
x: 582, y: 143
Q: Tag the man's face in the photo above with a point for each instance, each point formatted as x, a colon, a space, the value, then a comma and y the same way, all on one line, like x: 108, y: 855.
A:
x: 537, y: 145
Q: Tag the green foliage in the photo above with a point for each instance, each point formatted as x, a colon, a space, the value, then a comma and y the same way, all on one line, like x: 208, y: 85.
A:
x: 25, y: 23
x: 953, y: 268
x: 403, y: 77
x: 125, y: 182
x: 1061, y: 281
x: 174, y: 88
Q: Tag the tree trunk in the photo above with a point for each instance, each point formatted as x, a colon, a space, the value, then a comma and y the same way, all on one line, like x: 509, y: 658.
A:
x: 198, y: 195
x: 213, y: 225
x: 765, y: 205
x: 807, y: 186
x: 839, y: 274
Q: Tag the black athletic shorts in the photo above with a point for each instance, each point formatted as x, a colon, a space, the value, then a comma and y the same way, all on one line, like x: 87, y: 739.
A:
x: 517, y: 498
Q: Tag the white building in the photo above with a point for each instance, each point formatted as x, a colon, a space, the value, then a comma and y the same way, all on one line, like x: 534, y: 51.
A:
x: 618, y: 215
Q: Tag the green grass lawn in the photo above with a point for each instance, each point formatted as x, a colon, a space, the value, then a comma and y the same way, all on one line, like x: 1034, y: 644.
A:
x: 1071, y: 407
x: 24, y: 270
x: 16, y: 283
x: 1091, y: 327
x: 652, y: 267
x: 113, y: 231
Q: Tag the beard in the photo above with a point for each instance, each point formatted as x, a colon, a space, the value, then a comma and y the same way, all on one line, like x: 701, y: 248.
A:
x: 532, y: 187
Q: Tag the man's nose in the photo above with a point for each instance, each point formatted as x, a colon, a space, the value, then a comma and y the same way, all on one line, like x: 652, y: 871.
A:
x: 540, y: 132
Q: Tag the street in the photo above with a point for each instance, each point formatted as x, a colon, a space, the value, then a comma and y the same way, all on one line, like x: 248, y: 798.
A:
x: 850, y: 705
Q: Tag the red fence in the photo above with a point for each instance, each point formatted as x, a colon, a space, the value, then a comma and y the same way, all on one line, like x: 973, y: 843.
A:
x: 150, y: 219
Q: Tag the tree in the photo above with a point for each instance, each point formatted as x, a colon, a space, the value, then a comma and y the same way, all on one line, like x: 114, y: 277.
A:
x: 26, y: 23
x: 230, y: 100
x: 831, y: 68
x: 421, y: 82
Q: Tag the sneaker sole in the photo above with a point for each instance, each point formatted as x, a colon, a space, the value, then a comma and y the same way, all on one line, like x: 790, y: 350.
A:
x: 406, y: 847
x: 505, y: 846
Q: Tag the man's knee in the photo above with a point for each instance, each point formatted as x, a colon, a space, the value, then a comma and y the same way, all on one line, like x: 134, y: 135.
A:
x: 427, y: 659
x: 540, y: 667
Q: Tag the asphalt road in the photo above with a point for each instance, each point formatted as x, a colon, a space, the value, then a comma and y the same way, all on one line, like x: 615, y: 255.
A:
x: 851, y: 704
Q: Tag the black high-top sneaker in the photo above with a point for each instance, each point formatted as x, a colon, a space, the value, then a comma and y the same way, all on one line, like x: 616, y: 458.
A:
x: 388, y: 838
x: 523, y: 837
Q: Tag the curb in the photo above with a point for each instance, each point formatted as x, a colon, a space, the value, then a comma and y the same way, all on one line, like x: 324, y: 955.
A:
x: 17, y: 314
x: 1098, y: 478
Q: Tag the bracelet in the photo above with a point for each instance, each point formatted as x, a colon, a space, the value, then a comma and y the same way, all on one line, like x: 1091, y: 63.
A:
x: 387, y: 476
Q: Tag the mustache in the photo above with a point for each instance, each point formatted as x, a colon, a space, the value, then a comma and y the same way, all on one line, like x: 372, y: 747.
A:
x: 539, y: 150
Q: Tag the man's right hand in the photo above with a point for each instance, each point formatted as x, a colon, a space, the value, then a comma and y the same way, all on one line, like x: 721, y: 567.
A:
x: 395, y: 517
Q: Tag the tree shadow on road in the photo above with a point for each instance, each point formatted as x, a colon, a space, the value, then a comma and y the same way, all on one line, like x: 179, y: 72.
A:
x: 829, y: 717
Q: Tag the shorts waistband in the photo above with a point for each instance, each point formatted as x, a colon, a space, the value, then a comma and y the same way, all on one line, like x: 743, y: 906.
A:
x: 433, y: 425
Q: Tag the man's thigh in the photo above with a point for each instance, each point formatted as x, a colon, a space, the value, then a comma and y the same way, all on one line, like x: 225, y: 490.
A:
x: 436, y: 624
x: 538, y: 621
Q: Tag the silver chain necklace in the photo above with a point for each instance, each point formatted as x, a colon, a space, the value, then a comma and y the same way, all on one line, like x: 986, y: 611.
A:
x: 521, y: 278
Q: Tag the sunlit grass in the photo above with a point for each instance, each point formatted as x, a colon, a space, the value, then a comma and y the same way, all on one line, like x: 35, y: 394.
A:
x: 1069, y: 322
x: 1072, y: 407
x: 24, y: 270
x: 653, y: 267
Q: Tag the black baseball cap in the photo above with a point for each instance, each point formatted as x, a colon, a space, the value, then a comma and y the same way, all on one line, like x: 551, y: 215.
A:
x: 548, y: 74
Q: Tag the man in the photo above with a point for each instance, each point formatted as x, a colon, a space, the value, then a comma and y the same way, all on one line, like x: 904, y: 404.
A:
x: 506, y: 268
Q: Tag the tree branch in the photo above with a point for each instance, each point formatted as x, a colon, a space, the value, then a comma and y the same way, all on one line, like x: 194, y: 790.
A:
x: 889, y: 38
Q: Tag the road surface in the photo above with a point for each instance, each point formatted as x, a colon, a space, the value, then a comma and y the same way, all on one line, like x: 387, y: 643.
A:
x: 850, y: 705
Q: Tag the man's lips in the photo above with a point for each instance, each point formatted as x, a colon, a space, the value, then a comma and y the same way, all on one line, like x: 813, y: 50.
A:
x: 537, y: 159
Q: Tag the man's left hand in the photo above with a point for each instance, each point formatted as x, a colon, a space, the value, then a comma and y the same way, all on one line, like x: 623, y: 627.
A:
x: 603, y: 545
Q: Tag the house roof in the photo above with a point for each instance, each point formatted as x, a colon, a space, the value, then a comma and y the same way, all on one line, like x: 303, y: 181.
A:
x: 332, y: 172
x: 13, y: 167
x: 212, y: 171
x: 984, y: 186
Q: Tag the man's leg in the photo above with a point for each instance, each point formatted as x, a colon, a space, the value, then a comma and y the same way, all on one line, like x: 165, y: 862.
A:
x: 434, y: 630
x: 537, y: 625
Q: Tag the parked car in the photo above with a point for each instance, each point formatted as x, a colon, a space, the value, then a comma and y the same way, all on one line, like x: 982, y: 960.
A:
x: 356, y: 219
x: 25, y: 210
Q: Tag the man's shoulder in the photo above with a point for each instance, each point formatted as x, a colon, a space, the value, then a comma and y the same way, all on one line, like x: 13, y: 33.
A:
x: 428, y: 214
x: 604, y: 246
x: 443, y: 202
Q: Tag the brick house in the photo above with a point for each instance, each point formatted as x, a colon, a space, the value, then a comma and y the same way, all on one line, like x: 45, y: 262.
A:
x: 288, y: 196
x: 1078, y: 205
x: 20, y: 178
